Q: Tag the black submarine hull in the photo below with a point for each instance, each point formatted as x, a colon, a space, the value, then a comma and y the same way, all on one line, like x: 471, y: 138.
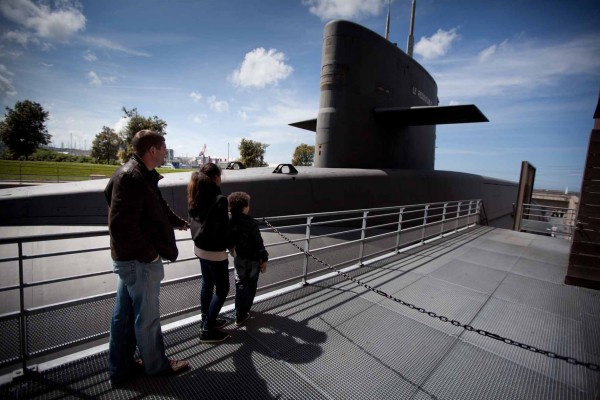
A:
x: 311, y: 190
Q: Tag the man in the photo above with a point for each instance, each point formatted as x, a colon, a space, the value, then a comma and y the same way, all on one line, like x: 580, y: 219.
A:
x: 141, y: 235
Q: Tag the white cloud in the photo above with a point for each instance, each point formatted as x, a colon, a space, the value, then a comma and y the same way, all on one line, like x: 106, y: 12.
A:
x: 344, y: 9
x: 97, y: 80
x: 199, y: 118
x: 121, y: 124
x: 243, y: 115
x: 94, y: 79
x: 110, y: 45
x: 6, y: 86
x: 196, y: 97
x: 89, y: 56
x: 487, y: 53
x: 519, y: 67
x: 261, y: 68
x: 57, y: 24
x: 20, y: 37
x: 46, y: 65
x: 436, y: 45
x: 217, y: 105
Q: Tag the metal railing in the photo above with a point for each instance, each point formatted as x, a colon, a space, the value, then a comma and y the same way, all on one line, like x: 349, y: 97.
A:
x: 548, y: 221
x: 342, y: 239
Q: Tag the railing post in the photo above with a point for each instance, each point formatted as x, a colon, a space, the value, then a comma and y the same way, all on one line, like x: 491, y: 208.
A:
x: 400, y: 214
x: 424, y: 223
x: 470, y: 213
x: 477, y: 212
x: 457, y: 216
x: 22, y: 322
x: 443, y: 219
x: 362, y: 237
x: 306, y: 249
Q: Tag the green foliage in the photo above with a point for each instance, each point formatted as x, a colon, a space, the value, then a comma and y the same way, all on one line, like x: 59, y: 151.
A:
x: 137, y: 123
x: 252, y: 154
x: 51, y: 155
x: 45, y: 171
x: 106, y: 145
x: 304, y: 155
x: 23, y: 129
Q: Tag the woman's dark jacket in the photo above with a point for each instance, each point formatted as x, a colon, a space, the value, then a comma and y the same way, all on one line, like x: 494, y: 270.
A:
x: 209, y: 221
x: 247, y: 239
x: 139, y: 219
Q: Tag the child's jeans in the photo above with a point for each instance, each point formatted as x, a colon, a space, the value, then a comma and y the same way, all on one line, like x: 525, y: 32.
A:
x: 246, y: 281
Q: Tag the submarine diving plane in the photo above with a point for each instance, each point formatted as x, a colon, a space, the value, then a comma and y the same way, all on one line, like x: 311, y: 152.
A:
x: 374, y: 147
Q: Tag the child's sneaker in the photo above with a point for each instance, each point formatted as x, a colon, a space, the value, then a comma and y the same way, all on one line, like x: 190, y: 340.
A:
x: 213, y: 336
x: 241, y: 320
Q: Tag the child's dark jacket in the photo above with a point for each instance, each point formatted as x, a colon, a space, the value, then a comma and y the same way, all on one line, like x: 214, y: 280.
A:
x: 246, y: 238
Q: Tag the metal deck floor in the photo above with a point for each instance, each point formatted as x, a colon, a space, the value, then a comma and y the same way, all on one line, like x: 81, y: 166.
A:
x: 335, y: 340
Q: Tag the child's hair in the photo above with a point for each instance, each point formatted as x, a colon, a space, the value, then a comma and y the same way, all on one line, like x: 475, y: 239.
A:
x: 238, y: 201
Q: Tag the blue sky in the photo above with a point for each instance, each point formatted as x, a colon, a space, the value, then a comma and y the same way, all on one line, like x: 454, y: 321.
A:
x: 218, y: 71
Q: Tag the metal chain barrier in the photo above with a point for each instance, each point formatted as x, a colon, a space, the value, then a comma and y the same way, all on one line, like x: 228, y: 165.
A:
x: 550, y: 354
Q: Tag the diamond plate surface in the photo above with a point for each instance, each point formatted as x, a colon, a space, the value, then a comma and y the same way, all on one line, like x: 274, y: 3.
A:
x: 472, y: 276
x: 557, y: 299
x: 543, y: 330
x: 443, y: 298
x: 469, y: 372
x: 336, y: 340
x: 491, y: 259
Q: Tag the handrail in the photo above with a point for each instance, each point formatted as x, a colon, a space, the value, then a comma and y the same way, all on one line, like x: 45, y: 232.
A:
x: 548, y: 220
x: 367, y: 232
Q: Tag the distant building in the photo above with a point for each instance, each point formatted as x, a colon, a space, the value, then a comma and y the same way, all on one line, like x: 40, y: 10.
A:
x: 560, y: 207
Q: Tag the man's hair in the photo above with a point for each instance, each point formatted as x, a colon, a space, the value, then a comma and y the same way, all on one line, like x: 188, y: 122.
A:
x: 144, y: 140
x: 238, y: 201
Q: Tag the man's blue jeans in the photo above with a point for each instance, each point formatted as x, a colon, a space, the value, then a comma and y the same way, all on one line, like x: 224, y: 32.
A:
x: 136, y: 320
x: 214, y: 290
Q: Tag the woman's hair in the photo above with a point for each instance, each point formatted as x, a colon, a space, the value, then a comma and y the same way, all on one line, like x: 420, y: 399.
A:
x: 197, y: 187
x: 238, y: 201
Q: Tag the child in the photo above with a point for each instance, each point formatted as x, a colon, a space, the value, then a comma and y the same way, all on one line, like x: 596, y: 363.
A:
x: 250, y: 255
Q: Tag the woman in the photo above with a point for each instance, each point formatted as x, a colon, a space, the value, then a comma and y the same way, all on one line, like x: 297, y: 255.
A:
x: 209, y: 222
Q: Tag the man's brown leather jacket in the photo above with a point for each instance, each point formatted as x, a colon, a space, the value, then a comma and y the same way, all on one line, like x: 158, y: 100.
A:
x: 139, y: 219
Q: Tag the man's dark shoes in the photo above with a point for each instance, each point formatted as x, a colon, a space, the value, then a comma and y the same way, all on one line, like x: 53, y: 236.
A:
x: 213, y: 336
x: 176, y: 366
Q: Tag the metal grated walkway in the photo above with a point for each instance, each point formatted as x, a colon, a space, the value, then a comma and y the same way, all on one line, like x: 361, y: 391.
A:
x: 335, y: 340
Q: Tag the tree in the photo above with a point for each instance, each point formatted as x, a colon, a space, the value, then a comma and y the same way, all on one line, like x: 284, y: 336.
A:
x: 23, y: 129
x: 106, y: 145
x: 304, y: 155
x: 137, y: 123
x: 252, y: 154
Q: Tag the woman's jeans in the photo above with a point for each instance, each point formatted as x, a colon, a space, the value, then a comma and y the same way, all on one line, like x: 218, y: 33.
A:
x: 136, y: 320
x: 214, y: 290
x: 246, y: 281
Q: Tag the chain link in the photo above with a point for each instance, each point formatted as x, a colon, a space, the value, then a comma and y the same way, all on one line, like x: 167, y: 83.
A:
x: 570, y: 360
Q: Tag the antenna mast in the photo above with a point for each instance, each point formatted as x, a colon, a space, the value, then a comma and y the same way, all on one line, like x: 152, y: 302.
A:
x: 387, y: 22
x: 411, y: 39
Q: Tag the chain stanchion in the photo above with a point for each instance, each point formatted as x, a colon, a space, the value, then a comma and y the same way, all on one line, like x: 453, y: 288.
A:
x: 550, y: 354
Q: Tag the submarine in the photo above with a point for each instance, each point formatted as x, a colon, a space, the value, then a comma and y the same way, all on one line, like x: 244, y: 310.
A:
x: 374, y: 147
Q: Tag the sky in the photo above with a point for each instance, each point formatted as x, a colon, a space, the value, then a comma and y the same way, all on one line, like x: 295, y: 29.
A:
x: 218, y: 71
